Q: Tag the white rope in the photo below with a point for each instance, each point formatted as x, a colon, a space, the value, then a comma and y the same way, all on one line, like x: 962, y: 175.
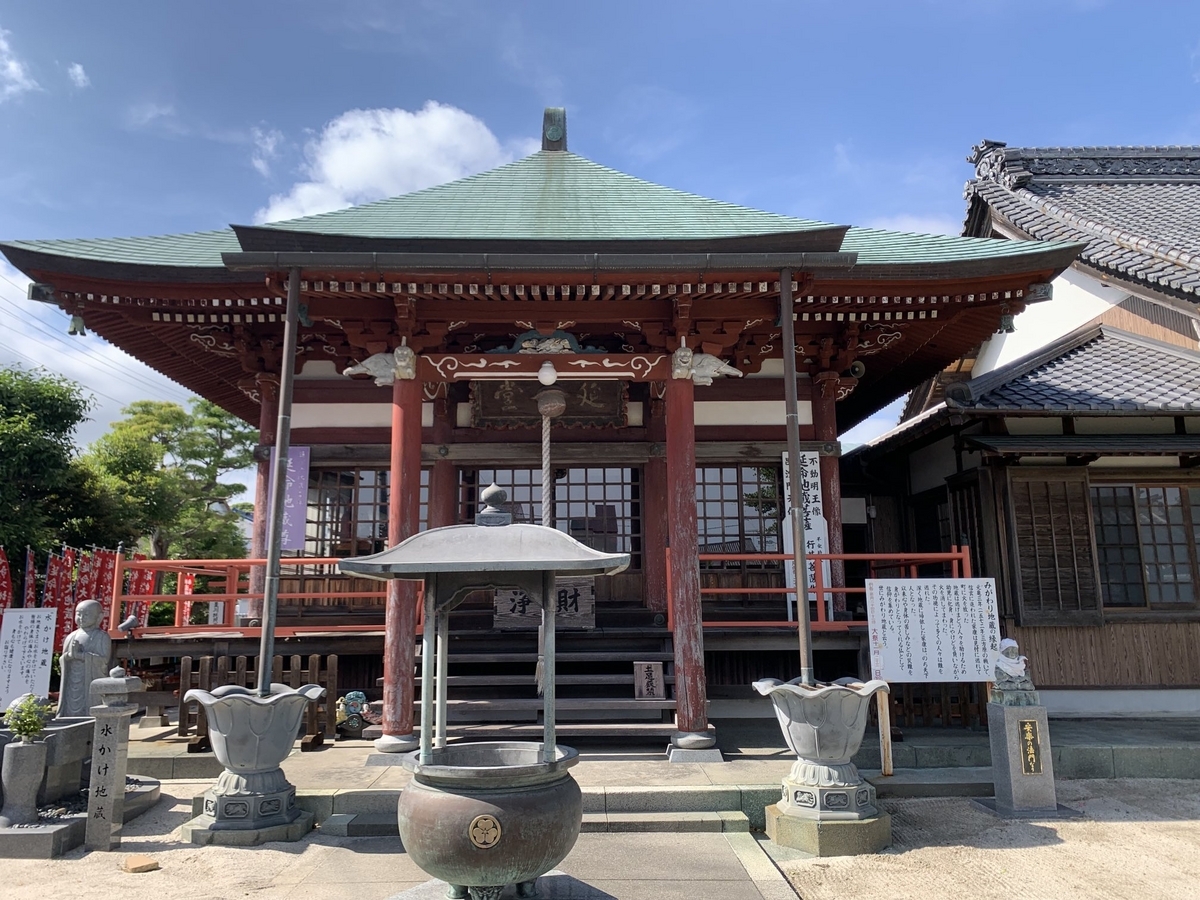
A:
x: 547, y: 520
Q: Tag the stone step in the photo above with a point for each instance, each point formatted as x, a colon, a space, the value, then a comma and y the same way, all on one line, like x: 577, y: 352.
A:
x: 384, y: 824
x: 958, y: 781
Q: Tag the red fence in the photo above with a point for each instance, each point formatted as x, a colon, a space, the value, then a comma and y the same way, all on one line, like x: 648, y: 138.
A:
x: 901, y: 565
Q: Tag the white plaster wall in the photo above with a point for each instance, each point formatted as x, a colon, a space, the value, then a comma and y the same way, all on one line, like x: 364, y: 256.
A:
x: 1033, y: 424
x: 1078, y: 298
x: 748, y: 412
x: 930, y: 466
x: 1126, y: 424
x: 351, y: 415
x: 319, y: 368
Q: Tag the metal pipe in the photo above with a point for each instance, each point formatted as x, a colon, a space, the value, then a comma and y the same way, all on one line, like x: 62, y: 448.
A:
x: 427, y: 643
x: 549, y: 606
x: 796, y: 513
x: 283, y: 440
x: 443, y: 655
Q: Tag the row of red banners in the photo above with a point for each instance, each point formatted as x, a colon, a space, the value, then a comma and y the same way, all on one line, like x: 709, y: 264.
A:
x: 72, y: 577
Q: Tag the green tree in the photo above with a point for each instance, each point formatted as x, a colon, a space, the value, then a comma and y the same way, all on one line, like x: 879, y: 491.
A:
x: 169, y: 466
x: 47, y: 496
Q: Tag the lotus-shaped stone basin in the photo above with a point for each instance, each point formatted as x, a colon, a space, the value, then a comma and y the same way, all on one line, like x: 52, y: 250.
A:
x: 823, y: 722
x: 488, y: 814
x: 251, y: 735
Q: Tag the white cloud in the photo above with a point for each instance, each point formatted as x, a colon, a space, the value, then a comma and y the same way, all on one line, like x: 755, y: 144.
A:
x: 142, y: 114
x: 36, y: 337
x: 266, y: 148
x: 78, y: 77
x: 14, y: 75
x: 368, y: 154
x: 933, y: 224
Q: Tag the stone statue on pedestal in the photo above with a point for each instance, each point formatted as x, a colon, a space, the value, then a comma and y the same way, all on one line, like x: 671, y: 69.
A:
x: 1012, y: 686
x: 85, y: 657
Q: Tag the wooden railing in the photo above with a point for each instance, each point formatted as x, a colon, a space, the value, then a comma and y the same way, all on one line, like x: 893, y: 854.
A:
x: 821, y: 606
x: 229, y: 575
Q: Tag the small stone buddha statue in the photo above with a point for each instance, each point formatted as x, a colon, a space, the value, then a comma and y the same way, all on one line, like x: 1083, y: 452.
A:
x: 1012, y: 686
x: 85, y: 657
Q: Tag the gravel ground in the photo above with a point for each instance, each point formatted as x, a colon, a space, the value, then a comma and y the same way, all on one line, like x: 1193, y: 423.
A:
x: 1139, y: 839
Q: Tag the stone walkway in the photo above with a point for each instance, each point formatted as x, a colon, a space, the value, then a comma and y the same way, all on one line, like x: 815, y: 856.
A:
x: 619, y: 866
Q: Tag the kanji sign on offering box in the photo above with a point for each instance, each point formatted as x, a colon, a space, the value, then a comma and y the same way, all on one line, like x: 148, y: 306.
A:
x: 933, y: 629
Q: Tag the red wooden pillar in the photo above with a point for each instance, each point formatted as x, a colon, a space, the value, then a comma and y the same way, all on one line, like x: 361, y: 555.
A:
x: 268, y: 414
x: 654, y: 510
x: 443, y: 480
x: 824, y: 410
x: 690, y: 692
x: 400, y: 628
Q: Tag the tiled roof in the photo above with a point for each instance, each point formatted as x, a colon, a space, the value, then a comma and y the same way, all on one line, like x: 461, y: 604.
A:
x: 1136, y: 208
x: 553, y: 196
x: 549, y: 195
x: 1097, y: 370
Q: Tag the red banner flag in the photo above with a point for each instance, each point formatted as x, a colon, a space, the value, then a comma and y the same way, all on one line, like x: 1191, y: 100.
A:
x: 6, y: 590
x: 68, y: 596
x: 30, y: 598
x: 104, y: 566
x: 141, y: 584
x: 187, y: 585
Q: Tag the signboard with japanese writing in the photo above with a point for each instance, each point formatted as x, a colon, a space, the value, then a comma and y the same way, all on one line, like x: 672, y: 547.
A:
x: 1031, y: 748
x: 295, y: 497
x: 26, y: 647
x: 575, y: 606
x: 933, y: 629
x: 816, y: 526
x: 648, y: 681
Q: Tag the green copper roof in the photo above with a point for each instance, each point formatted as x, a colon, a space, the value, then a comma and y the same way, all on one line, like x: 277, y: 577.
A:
x: 200, y: 248
x: 550, y: 195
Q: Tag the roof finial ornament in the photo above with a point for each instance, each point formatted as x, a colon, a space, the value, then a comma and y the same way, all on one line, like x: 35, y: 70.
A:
x: 494, y: 497
x: 554, y: 128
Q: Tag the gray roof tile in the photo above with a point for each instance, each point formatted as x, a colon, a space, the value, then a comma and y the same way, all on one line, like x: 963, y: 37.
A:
x: 1136, y: 208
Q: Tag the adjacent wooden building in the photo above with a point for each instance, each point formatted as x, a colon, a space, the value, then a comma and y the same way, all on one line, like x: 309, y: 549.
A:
x: 1065, y: 449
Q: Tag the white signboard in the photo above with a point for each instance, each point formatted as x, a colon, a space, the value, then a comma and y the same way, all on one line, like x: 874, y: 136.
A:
x: 933, y: 629
x: 816, y: 526
x: 575, y: 606
x: 26, y: 647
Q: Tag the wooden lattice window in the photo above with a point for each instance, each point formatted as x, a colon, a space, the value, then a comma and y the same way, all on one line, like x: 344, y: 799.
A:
x: 738, y: 510
x: 1148, y: 543
x: 348, y: 511
x: 598, y: 506
x: 1054, y: 572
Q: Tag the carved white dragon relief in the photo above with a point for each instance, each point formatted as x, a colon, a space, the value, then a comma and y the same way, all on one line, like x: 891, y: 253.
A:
x: 702, y: 368
x: 874, y: 342
x: 218, y: 343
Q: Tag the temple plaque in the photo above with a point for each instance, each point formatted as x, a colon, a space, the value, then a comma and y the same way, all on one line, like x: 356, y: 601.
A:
x: 513, y: 404
x: 575, y: 606
x: 1031, y: 747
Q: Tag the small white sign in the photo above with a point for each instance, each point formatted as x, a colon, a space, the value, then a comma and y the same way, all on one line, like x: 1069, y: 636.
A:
x: 933, y: 629
x: 648, y: 681
x: 816, y: 526
x: 26, y: 648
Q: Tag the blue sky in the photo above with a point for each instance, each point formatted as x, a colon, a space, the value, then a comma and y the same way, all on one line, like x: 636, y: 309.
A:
x: 140, y: 118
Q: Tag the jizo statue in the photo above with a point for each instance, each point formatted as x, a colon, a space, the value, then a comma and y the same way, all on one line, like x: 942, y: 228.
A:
x: 85, y: 658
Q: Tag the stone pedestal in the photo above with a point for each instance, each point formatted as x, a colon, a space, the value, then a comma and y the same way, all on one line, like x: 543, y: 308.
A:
x: 110, y: 754
x: 1022, y: 764
x: 825, y: 837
